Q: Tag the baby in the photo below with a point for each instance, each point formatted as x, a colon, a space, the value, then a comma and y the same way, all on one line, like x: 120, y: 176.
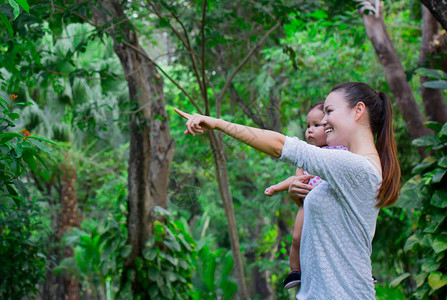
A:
x: 316, y: 136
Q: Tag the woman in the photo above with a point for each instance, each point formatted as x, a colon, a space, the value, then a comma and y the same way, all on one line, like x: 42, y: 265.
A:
x: 341, y: 213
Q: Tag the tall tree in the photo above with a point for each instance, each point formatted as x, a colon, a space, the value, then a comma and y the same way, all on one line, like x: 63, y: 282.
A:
x: 392, y: 68
x: 433, y: 99
x: 151, y: 145
x: 68, y: 218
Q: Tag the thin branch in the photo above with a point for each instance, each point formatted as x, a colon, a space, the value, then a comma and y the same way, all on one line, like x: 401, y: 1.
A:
x: 164, y: 73
x: 246, y: 58
x: 262, y: 7
x: 186, y: 42
x: 202, y: 30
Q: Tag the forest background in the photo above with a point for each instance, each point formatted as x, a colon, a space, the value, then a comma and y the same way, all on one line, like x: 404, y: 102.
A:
x: 103, y: 197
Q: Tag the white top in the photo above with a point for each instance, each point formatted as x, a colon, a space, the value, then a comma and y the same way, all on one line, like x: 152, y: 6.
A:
x: 339, y: 222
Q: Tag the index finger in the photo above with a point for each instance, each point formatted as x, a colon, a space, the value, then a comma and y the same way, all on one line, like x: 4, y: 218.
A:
x: 183, y: 114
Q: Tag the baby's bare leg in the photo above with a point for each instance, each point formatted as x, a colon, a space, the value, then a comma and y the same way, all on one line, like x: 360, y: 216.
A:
x: 294, y: 257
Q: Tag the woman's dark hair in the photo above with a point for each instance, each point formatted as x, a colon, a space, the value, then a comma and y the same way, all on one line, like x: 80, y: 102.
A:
x: 319, y: 105
x: 381, y: 122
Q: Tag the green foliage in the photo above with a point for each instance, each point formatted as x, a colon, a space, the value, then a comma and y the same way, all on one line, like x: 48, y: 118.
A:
x: 213, y: 274
x: 426, y: 194
x: 441, y: 83
x: 21, y: 257
x: 99, y: 252
x: 166, y: 267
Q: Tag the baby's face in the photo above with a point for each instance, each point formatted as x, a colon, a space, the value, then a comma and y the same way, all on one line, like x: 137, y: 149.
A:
x: 315, y: 131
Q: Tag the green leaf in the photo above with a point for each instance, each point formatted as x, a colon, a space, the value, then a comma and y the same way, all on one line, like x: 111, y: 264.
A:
x: 153, y: 291
x: 170, y: 276
x: 438, y: 74
x: 125, y: 251
x: 149, y: 253
x: 399, y: 279
x: 436, y: 280
x: 427, y: 140
x: 443, y: 162
x: 440, y: 243
x: 13, y: 116
x: 426, y: 162
x: 42, y: 147
x: 10, y: 31
x: 23, y: 4
x: 18, y: 150
x: 443, y: 131
x: 437, y: 177
x: 161, y: 211
x: 437, y: 84
x: 184, y: 242
x: 430, y: 265
x: 21, y: 188
x: 7, y: 136
x: 435, y: 126
x: 410, y: 194
x: 433, y: 222
x: 150, y: 241
x: 170, y: 258
x: 153, y: 274
x: 29, y: 159
x: 411, y: 241
x: 15, y: 7
x: 172, y: 244
x: 439, y: 199
x: 420, y: 279
x: 41, y: 138
x: 17, y: 200
x: 318, y: 14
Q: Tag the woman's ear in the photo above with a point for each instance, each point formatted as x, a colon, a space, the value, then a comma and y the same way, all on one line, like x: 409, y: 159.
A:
x: 359, y: 110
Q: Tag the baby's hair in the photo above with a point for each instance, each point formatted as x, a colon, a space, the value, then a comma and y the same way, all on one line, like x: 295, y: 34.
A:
x: 319, y: 105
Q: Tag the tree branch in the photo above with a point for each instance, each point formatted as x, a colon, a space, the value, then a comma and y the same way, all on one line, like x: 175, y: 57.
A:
x: 185, y: 41
x: 164, y: 73
x: 246, y: 58
x: 202, y: 30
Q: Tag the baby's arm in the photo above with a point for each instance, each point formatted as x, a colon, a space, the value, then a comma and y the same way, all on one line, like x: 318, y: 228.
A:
x: 283, y: 185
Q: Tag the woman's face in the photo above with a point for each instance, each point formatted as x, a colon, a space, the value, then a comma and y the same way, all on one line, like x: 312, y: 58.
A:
x: 338, y: 120
x: 315, y: 131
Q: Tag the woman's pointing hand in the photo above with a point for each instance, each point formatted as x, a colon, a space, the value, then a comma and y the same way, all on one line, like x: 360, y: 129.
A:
x: 197, y: 123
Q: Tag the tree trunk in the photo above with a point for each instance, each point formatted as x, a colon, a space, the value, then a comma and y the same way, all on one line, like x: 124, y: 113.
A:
x: 151, y: 145
x: 438, y: 9
x: 220, y: 162
x: 68, y: 218
x: 433, y: 99
x: 394, y: 73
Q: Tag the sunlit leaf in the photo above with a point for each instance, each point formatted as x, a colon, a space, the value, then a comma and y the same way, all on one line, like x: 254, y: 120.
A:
x: 436, y: 280
x: 15, y: 7
x: 440, y: 243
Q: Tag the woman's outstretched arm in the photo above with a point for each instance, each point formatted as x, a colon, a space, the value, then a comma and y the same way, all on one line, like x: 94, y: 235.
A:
x: 267, y: 141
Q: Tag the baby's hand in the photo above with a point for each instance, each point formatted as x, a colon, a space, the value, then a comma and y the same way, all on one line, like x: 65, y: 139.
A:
x: 270, y: 191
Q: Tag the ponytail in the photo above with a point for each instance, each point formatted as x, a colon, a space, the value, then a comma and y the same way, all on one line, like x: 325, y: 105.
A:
x: 381, y: 123
x: 386, y: 147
